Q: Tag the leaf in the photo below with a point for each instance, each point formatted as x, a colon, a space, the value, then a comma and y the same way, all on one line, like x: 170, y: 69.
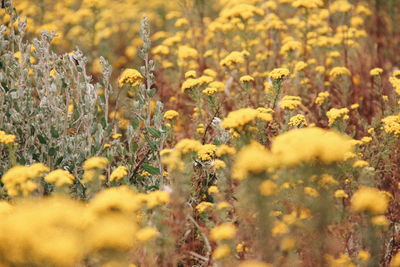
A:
x: 152, y: 145
x: 42, y: 139
x: 52, y: 151
x: 151, y: 169
x: 54, y: 132
x: 154, y: 132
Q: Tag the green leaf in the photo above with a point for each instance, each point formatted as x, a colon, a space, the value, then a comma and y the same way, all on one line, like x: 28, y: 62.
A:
x: 152, y: 145
x: 42, y: 139
x: 154, y: 132
x: 151, y: 169
x: 52, y: 151
x: 54, y: 132
x: 135, y: 123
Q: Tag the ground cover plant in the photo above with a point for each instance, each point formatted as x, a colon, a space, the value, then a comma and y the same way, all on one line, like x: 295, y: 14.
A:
x: 200, y: 133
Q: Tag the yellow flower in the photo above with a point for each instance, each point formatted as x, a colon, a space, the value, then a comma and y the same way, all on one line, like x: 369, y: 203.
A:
x: 7, y: 138
x: 334, y: 114
x: 225, y: 150
x: 339, y: 71
x: 360, y: 164
x: 279, y: 73
x: 119, y: 173
x: 223, y: 232
x: 297, y: 121
x: 170, y: 114
x: 341, y: 194
x: 146, y: 234
x: 380, y: 220
x: 130, y: 76
x: 116, y: 136
x: 223, y: 205
x: 392, y: 124
x: 246, y: 79
x: 95, y: 163
x: 322, y: 96
x: 213, y: 190
x: 309, y: 4
x: 290, y: 102
x: 221, y: 252
x: 206, y: 152
x: 239, y: 119
x: 210, y: 91
x: 268, y: 188
x: 369, y: 199
x: 280, y: 228
x: 233, y: 59
x: 254, y: 263
x: 363, y: 255
x: 375, y: 71
x: 308, y: 145
x: 59, y: 178
x: 252, y: 159
x: 203, y: 206
x: 395, y: 260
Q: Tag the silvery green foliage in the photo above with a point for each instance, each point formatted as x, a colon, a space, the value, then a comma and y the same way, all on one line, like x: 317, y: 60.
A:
x: 34, y: 103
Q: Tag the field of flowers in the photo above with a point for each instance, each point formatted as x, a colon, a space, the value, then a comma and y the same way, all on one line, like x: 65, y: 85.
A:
x: 223, y: 133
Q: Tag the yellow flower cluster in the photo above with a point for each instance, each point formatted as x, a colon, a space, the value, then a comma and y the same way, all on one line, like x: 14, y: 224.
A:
x: 322, y: 96
x: 119, y: 173
x: 239, y: 119
x: 64, y: 232
x: 309, y: 4
x: 20, y: 180
x: 298, y: 121
x: 290, y: 102
x: 170, y: 114
x: 339, y: 71
x: 223, y: 232
x: 392, y: 124
x: 369, y: 199
x: 131, y: 77
x: 334, y: 114
x: 59, y: 178
x: 233, y: 59
x: 279, y: 73
x: 7, y: 138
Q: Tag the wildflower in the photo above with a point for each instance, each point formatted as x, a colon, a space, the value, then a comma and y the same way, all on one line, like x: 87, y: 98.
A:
x: 252, y: 159
x: 311, y: 191
x: 223, y: 232
x: 363, y: 255
x: 290, y: 102
x: 119, y: 173
x: 116, y: 136
x: 334, y: 114
x: 206, y: 152
x: 238, y: 119
x: 221, y: 252
x: 157, y: 198
x: 210, y: 91
x: 339, y: 71
x: 321, y: 98
x: 223, y: 205
x: 375, y: 71
x: 366, y: 139
x: 369, y: 199
x: 297, y: 121
x: 323, y: 145
x: 288, y: 47
x: 170, y: 114
x: 341, y: 194
x: 268, y: 188
x: 59, y: 178
x: 395, y: 260
x: 287, y: 244
x: 190, y: 74
x: 279, y: 73
x: 360, y: 164
x: 7, y: 138
x: 341, y: 6
x: 213, y: 190
x: 380, y: 220
x: 246, y: 79
x: 130, y: 76
x: 392, y: 124
x: 203, y: 206
x: 280, y: 228
x: 146, y: 234
x: 254, y: 263
x: 309, y: 4
x: 233, y: 59
x: 95, y: 163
